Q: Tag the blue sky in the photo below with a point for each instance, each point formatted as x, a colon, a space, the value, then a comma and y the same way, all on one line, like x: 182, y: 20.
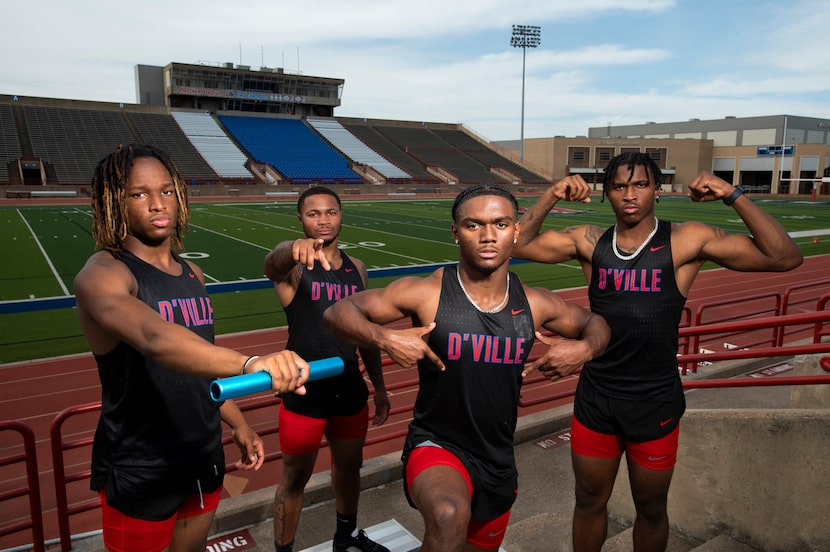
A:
x: 599, y: 62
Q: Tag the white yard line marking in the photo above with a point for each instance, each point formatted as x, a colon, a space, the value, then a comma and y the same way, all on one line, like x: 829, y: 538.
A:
x: 45, y: 256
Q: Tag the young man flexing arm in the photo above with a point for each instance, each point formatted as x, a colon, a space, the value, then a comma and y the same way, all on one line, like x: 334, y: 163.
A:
x: 639, y: 273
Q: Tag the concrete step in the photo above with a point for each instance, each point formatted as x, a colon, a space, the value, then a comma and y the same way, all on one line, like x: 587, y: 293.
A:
x: 390, y: 534
x: 622, y: 542
x: 546, y: 531
x: 724, y: 543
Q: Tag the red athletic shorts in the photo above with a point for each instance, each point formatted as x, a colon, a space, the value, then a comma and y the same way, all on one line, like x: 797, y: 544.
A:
x: 481, y: 533
x: 123, y: 533
x: 659, y: 454
x: 302, y: 434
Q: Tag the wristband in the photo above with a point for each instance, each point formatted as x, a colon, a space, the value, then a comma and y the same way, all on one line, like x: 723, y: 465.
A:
x: 238, y: 386
x: 247, y: 362
x: 728, y: 201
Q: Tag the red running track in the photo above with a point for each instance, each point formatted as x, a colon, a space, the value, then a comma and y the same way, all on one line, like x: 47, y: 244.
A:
x: 35, y: 392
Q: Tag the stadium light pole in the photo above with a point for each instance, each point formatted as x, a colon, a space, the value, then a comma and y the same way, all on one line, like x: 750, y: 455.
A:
x: 524, y: 37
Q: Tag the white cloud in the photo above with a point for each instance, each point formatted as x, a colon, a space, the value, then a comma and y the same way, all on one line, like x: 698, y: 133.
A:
x: 599, y: 61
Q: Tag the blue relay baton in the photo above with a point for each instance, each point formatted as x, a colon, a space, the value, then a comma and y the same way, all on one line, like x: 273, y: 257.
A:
x: 256, y: 382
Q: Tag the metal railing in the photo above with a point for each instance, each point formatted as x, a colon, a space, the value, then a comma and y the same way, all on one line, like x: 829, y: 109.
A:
x: 31, y: 490
x: 59, y: 447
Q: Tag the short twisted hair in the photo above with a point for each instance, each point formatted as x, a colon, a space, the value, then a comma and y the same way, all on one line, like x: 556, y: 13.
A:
x: 316, y: 190
x: 110, y: 226
x: 483, y: 190
x: 631, y: 159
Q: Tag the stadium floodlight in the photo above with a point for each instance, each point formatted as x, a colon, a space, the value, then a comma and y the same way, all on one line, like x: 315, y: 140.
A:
x: 524, y: 37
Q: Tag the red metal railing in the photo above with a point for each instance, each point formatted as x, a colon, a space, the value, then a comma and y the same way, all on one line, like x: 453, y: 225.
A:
x: 795, y: 298
x: 30, y: 490
x: 754, y: 306
x: 818, y: 317
x: 59, y: 447
x: 819, y: 331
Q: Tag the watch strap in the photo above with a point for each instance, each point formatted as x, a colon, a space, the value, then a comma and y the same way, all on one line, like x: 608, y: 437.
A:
x: 728, y: 201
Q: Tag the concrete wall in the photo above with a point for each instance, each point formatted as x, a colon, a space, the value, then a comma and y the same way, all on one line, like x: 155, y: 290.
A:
x: 810, y: 396
x: 757, y: 475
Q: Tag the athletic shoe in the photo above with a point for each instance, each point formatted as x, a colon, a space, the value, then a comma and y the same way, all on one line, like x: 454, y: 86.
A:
x: 360, y: 543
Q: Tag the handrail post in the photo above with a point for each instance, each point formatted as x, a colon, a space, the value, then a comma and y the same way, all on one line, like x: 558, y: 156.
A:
x: 57, y: 446
x: 32, y: 489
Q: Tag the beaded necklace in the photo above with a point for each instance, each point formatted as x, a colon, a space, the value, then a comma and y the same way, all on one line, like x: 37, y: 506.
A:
x: 470, y: 299
x: 622, y: 257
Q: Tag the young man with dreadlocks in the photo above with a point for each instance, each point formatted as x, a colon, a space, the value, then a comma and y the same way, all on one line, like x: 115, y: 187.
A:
x: 157, y: 457
x: 639, y: 273
x: 473, y: 326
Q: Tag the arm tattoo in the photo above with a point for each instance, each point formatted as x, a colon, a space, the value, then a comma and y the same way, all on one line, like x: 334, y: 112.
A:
x: 592, y: 235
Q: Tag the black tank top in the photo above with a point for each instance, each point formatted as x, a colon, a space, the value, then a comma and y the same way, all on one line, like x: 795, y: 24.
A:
x: 158, y: 424
x: 471, y: 407
x: 642, y: 305
x: 307, y: 336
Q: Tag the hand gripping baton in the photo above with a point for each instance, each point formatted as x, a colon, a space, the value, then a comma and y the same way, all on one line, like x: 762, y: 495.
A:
x: 256, y: 382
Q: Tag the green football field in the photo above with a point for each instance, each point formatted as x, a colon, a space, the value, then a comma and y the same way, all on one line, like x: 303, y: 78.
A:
x: 43, y: 247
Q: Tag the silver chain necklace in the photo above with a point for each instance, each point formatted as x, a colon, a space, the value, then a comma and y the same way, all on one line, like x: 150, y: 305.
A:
x: 473, y: 303
x: 622, y: 257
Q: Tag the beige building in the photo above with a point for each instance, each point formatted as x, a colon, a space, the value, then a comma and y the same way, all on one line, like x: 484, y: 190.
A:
x: 680, y: 160
x: 778, y: 154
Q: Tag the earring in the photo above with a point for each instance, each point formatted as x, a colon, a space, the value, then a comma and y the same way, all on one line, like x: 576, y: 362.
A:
x: 657, y: 199
x: 515, y: 240
x: 456, y: 242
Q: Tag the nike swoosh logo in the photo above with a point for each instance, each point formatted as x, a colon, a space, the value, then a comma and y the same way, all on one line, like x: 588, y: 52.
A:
x: 349, y: 269
x: 656, y: 458
x: 495, y: 534
x: 664, y: 422
x: 658, y: 248
x: 192, y: 275
x: 514, y: 312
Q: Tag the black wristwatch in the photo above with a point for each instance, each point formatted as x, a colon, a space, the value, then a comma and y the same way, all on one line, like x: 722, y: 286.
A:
x: 728, y: 201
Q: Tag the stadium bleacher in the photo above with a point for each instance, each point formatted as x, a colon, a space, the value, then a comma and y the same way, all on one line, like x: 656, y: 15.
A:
x: 389, y: 150
x: 292, y: 148
x: 485, y: 155
x: 70, y: 137
x: 73, y: 140
x: 356, y: 150
x: 226, y: 159
x: 422, y: 143
x: 161, y: 130
x: 9, y: 143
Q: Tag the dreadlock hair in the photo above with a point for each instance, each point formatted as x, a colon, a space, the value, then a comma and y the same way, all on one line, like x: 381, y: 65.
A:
x: 316, y: 190
x: 483, y: 190
x: 110, y: 226
x: 631, y: 159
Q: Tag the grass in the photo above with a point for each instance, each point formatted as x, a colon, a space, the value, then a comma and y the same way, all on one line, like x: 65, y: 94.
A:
x: 45, y: 246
